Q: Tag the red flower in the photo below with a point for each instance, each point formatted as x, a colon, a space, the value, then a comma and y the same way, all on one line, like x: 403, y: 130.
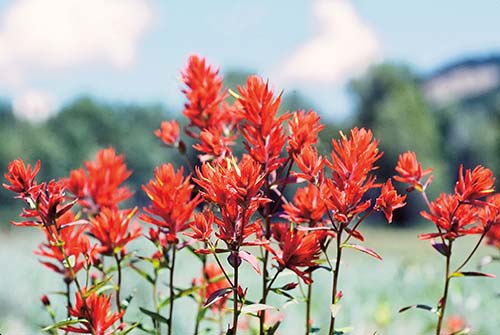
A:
x: 307, y: 206
x: 389, y: 200
x: 475, y: 184
x: 168, y: 132
x: 202, y: 226
x: 213, y: 144
x: 21, y: 177
x: 76, y: 246
x: 304, y: 128
x: 453, y: 217
x: 310, y: 164
x: 204, y: 86
x: 100, y: 186
x: 490, y: 216
x: 297, y: 249
x: 410, y: 171
x: 262, y: 130
x: 112, y: 228
x: 97, y: 313
x: 171, y: 201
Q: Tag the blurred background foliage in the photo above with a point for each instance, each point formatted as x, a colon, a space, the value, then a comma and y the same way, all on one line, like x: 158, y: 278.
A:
x: 398, y: 104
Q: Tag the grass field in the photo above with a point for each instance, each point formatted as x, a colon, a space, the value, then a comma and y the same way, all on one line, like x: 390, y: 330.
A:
x: 411, y: 272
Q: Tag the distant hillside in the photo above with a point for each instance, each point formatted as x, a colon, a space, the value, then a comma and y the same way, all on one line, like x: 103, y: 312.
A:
x: 466, y: 79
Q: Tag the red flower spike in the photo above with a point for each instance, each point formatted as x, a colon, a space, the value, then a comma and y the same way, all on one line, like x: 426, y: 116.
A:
x: 490, y: 217
x: 304, y: 128
x: 389, y: 200
x: 297, y: 249
x: 307, y: 207
x: 310, y: 164
x: 202, y: 226
x: 172, y: 204
x: 168, y: 133
x: 100, y: 185
x: 21, y: 177
x: 410, y: 171
x: 475, y: 184
x: 214, y: 145
x: 204, y: 108
x: 454, y: 218
x: 262, y: 130
x: 113, y: 230
x: 97, y: 312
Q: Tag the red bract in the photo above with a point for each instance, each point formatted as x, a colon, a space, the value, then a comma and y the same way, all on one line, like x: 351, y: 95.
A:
x: 21, y: 177
x: 113, y: 230
x: 75, y: 244
x: 304, y: 128
x: 202, y: 226
x: 297, y: 249
x: 410, y: 171
x: 262, y: 129
x: 204, y: 95
x: 389, y: 200
x: 310, y: 164
x: 97, y: 313
x: 100, y: 186
x: 171, y: 201
x: 454, y: 218
x: 307, y: 207
x: 214, y: 145
x: 475, y: 184
x: 168, y: 132
x: 491, y: 217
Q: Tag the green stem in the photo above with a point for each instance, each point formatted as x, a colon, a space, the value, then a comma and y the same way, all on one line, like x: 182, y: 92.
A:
x: 335, y: 279
x: 442, y: 304
x: 235, y: 294
x: 119, y: 285
x: 172, y: 293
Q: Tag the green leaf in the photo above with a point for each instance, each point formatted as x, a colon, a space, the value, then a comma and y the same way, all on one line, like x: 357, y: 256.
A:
x: 128, y: 329
x: 97, y: 287
x: 143, y: 274
x: 420, y: 306
x: 335, y: 309
x: 272, y: 330
x: 217, y: 295
x: 63, y: 324
x: 181, y: 293
x: 254, y: 308
x: 153, y: 315
x: 361, y: 248
x: 471, y: 274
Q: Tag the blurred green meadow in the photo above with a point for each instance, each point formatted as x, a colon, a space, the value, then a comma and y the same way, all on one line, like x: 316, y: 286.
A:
x: 411, y: 272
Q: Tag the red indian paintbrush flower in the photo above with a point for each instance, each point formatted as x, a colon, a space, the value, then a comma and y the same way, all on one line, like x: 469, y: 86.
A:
x: 307, y: 207
x: 410, y: 172
x: 475, y: 184
x: 168, y: 132
x: 21, y: 177
x: 454, y: 218
x: 111, y: 227
x: 297, y: 249
x: 172, y: 204
x: 310, y: 165
x: 75, y: 243
x: 263, y: 131
x: 490, y: 216
x: 202, y: 226
x: 214, y: 145
x: 100, y: 185
x: 304, y: 128
x: 97, y: 314
x: 389, y: 200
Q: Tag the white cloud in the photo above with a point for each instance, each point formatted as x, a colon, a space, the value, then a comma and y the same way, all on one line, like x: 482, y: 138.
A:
x: 344, y: 46
x: 34, y: 105
x: 55, y: 34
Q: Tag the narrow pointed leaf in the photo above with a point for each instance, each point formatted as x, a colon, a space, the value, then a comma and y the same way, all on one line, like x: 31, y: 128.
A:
x: 250, y: 259
x: 61, y: 324
x: 440, y: 247
x: 153, y: 315
x: 254, y: 308
x: 143, y: 274
x: 218, y: 295
x: 471, y: 274
x: 361, y: 248
x: 420, y: 306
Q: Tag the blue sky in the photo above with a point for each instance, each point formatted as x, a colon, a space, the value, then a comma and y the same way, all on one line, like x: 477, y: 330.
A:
x: 133, y: 50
